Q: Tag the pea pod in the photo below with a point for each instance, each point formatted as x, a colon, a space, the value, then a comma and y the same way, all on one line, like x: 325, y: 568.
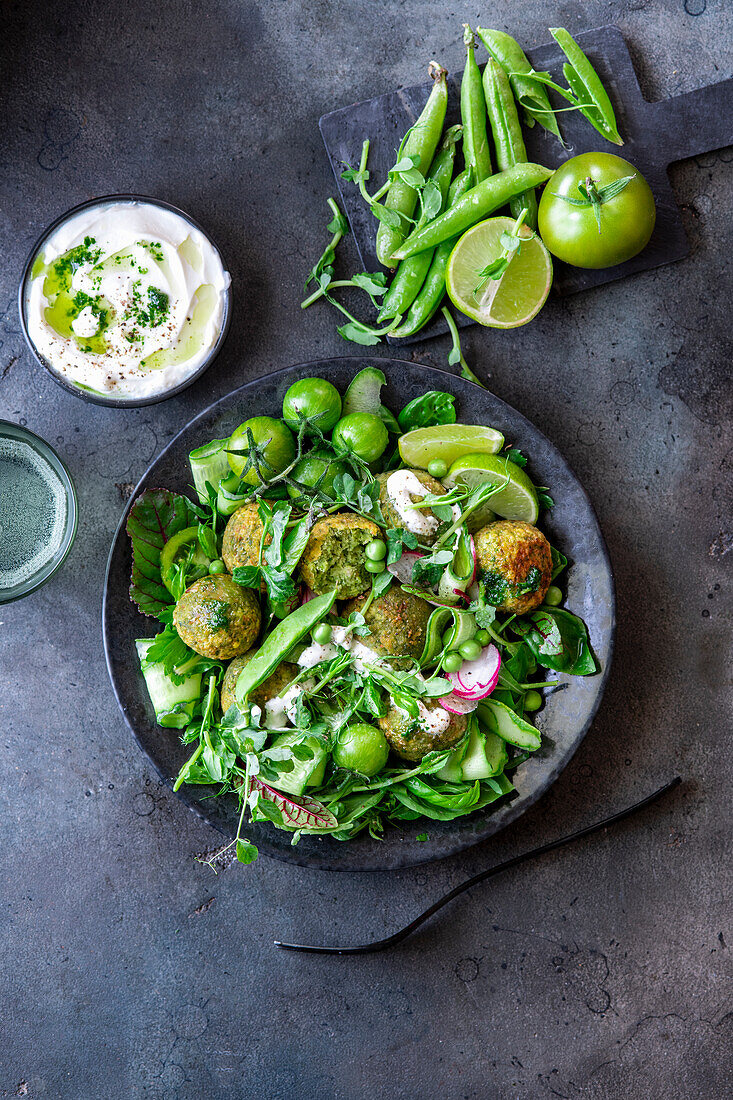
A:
x: 476, y: 204
x: 279, y: 643
x: 473, y: 113
x: 421, y: 142
x: 507, y: 130
x: 515, y: 63
x: 411, y: 273
x: 585, y: 83
x: 433, y: 289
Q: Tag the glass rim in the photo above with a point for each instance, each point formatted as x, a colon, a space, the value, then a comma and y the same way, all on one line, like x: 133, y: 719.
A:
x: 44, y: 574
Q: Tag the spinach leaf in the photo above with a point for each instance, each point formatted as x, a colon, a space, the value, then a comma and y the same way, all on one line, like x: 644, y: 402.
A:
x: 559, y: 640
x: 154, y: 518
x: 434, y: 407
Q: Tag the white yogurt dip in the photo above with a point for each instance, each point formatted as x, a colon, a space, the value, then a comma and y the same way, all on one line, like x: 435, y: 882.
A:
x: 126, y: 299
x: 403, y: 488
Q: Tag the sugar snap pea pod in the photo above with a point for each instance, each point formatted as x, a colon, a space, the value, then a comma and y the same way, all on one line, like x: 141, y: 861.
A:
x: 507, y: 131
x: 433, y: 289
x: 476, y: 204
x: 586, y: 84
x: 421, y: 142
x: 515, y: 63
x: 410, y: 274
x: 473, y: 112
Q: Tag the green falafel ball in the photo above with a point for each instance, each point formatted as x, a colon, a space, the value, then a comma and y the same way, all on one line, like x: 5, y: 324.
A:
x: 434, y: 728
x: 392, y: 517
x: 514, y: 565
x: 243, y: 537
x: 270, y: 688
x: 398, y: 621
x: 335, y: 555
x: 216, y: 618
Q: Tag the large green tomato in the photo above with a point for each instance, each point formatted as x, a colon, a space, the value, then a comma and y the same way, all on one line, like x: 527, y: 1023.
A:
x: 579, y: 195
x: 363, y: 433
x: 274, y: 441
x: 361, y: 748
x: 315, y: 398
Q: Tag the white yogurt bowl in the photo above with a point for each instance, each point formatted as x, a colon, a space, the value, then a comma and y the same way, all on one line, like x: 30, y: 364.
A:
x: 125, y: 300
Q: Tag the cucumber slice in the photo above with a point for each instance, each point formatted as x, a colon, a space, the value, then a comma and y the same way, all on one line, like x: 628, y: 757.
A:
x: 508, y: 725
x: 461, y: 626
x: 305, y: 773
x: 209, y: 463
x: 229, y: 497
x: 166, y: 696
x: 484, y: 754
x: 364, y: 392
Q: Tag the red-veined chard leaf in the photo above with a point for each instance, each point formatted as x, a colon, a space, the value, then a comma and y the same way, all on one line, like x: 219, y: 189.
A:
x: 303, y: 812
x: 154, y: 518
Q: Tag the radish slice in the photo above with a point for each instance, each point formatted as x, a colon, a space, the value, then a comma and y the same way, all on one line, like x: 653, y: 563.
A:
x: 457, y: 704
x: 402, y: 569
x: 477, y: 679
x: 307, y: 594
x: 473, y: 590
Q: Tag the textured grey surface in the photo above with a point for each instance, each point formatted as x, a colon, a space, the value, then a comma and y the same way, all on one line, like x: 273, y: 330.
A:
x: 599, y: 973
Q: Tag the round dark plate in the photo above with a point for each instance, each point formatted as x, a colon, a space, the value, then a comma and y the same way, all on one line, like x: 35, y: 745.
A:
x: 571, y: 526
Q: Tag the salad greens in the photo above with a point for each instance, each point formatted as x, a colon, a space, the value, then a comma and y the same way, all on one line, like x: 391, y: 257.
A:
x: 478, y: 662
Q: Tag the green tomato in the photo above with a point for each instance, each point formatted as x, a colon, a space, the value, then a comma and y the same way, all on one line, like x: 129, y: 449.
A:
x: 532, y: 701
x: 314, y: 466
x: 362, y: 433
x: 470, y: 650
x: 374, y: 566
x: 217, y: 566
x: 570, y: 229
x: 322, y: 633
x: 453, y: 662
x: 314, y: 398
x: 361, y: 748
x: 553, y: 596
x: 272, y: 437
x: 437, y: 467
x: 482, y: 637
x: 376, y: 550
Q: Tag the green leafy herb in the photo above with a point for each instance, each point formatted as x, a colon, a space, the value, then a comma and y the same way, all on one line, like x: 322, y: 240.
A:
x: 153, y: 519
x: 559, y: 640
x: 433, y: 407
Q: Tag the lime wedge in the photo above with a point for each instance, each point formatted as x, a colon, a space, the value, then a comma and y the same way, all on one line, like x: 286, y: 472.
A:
x: 516, y: 499
x: 449, y: 442
x: 518, y: 295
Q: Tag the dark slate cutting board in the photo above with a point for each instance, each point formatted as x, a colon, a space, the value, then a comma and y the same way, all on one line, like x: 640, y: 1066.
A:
x: 655, y: 135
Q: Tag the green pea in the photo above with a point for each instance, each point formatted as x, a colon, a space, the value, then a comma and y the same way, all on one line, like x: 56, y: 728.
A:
x: 482, y: 637
x: 470, y: 650
x: 217, y: 566
x: 532, y: 701
x: 437, y: 467
x: 453, y: 662
x: 553, y: 596
x: 376, y: 550
x: 374, y: 566
x: 322, y: 634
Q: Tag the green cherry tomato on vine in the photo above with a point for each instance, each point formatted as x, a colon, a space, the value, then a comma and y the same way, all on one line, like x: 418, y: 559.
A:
x: 274, y: 441
x: 589, y: 217
x: 314, y: 398
x: 482, y: 637
x: 217, y: 566
x: 470, y: 650
x: 362, y: 433
x: 322, y: 634
x: 374, y: 566
x: 437, y: 467
x: 361, y: 748
x: 553, y: 596
x: 376, y: 550
x: 532, y: 701
x: 453, y: 662
x: 317, y: 468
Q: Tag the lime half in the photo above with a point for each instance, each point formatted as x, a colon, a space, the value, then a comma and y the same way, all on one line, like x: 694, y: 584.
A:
x: 449, y: 442
x: 516, y: 499
x: 518, y: 295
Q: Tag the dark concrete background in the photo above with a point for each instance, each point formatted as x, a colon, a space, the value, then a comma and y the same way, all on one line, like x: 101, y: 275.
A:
x: 129, y: 969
